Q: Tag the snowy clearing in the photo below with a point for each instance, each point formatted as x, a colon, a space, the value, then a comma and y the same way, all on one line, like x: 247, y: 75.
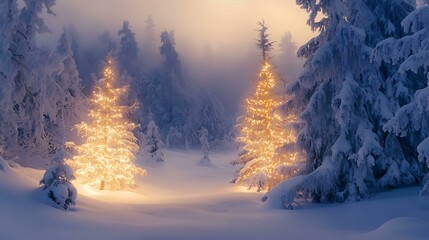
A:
x: 181, y: 200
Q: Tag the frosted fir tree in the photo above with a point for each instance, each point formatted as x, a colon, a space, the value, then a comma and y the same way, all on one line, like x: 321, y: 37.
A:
x: 105, y: 158
x: 211, y: 117
x: 57, y: 179
x: 169, y: 53
x: 66, y: 93
x: 261, y: 129
x: 168, y: 94
x: 154, y: 144
x: 177, y: 95
x: 29, y: 118
x: 409, y: 84
x: 128, y: 52
x: 342, y: 103
x: 8, y: 71
x: 205, y: 148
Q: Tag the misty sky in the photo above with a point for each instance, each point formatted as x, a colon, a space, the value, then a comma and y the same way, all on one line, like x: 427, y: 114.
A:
x: 219, y: 24
x: 215, y: 38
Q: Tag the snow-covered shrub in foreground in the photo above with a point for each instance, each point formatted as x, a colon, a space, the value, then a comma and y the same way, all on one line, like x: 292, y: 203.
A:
x: 56, y: 183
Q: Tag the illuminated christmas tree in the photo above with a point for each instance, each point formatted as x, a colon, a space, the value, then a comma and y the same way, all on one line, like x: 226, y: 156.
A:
x: 105, y: 159
x: 263, y: 131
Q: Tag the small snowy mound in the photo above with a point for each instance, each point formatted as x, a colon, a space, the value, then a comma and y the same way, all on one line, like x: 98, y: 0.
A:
x: 399, y: 229
x: 281, y: 196
x: 205, y: 162
x: 4, y: 166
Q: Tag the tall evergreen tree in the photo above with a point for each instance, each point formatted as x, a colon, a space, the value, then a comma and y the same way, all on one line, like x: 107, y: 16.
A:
x: 211, y: 117
x: 169, y: 54
x: 128, y: 52
x: 168, y: 93
x: 261, y: 128
x: 344, y: 108
x: 263, y: 42
x: 408, y: 86
x: 8, y: 25
x: 27, y: 117
x: 65, y: 93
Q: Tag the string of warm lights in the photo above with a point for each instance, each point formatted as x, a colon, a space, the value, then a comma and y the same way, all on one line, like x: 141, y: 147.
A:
x: 262, y: 132
x: 105, y: 159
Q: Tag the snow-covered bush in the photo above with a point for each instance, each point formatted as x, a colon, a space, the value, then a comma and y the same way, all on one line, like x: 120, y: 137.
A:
x: 205, y: 147
x: 56, y: 182
x: 154, y: 143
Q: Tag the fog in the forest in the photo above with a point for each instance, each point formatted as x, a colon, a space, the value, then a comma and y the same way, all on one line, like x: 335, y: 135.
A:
x: 215, y: 39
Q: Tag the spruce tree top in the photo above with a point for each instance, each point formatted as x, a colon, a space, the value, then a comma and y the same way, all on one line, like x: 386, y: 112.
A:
x: 263, y: 43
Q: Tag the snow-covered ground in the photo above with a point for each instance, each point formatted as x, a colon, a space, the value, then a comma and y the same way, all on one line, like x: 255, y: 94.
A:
x: 181, y: 200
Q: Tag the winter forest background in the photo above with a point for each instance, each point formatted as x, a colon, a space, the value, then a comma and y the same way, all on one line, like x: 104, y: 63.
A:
x: 359, y: 89
x: 49, y: 102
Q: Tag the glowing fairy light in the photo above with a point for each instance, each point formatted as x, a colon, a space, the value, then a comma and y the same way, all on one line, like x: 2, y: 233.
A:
x: 262, y: 132
x: 105, y: 159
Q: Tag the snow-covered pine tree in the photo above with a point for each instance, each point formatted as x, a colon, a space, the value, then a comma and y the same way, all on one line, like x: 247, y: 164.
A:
x: 205, y: 148
x: 57, y: 181
x: 409, y: 55
x: 65, y: 93
x: 212, y: 117
x: 170, y: 56
x: 128, y: 52
x: 28, y: 117
x: 343, y: 106
x: 168, y: 94
x: 8, y: 26
x: 154, y: 145
x: 177, y: 98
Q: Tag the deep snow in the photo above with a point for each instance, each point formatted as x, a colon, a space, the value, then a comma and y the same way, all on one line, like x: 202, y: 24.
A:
x: 181, y: 200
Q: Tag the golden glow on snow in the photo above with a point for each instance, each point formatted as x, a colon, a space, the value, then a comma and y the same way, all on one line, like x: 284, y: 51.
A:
x: 105, y: 159
x: 262, y: 132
